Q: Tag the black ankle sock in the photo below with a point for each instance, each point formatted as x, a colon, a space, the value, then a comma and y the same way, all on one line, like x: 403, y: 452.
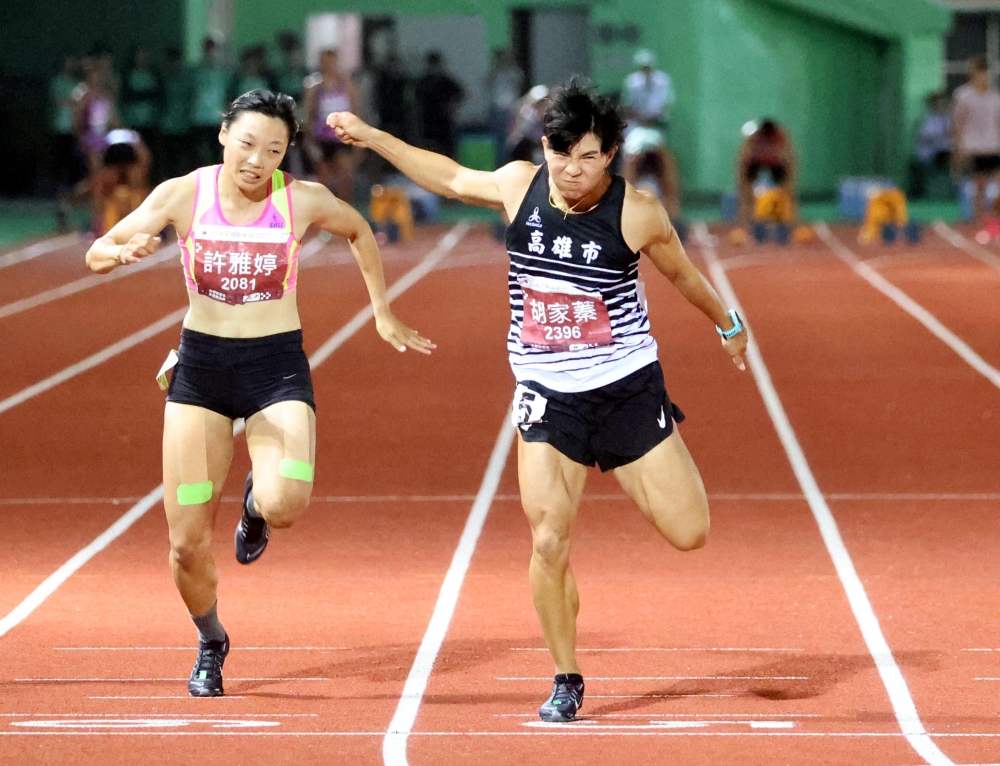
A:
x: 569, y: 678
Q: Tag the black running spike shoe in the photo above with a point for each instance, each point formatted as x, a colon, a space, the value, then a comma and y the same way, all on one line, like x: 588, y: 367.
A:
x: 206, y: 677
x: 251, y: 532
x: 566, y: 699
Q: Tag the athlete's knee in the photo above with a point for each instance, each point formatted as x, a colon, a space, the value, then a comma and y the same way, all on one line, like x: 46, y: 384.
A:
x: 692, y: 537
x: 550, y: 546
x: 189, y: 550
x: 281, y: 508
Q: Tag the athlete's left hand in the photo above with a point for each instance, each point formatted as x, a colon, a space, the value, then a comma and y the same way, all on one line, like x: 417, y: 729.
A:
x: 736, y: 347
x: 400, y: 336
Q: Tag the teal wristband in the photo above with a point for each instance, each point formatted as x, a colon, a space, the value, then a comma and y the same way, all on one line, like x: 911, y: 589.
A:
x: 736, y: 329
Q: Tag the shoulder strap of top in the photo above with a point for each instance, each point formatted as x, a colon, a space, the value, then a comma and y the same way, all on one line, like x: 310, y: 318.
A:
x: 541, y: 176
x: 205, y: 192
x: 281, y: 197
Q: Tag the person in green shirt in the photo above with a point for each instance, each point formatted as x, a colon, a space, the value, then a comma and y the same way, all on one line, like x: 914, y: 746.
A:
x: 210, y: 89
x: 68, y: 164
x: 142, y: 93
x: 175, y: 158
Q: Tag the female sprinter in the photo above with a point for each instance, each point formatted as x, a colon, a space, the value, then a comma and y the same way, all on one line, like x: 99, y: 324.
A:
x: 240, y: 225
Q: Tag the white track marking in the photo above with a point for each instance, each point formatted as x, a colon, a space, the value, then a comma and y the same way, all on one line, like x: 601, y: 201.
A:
x: 974, y: 249
x: 909, y: 305
x: 669, y: 678
x: 542, y: 730
x: 85, y: 283
x: 103, y: 680
x: 717, y: 496
x: 188, y: 648
x: 94, y: 360
x: 38, y: 248
x: 666, y: 649
x: 401, y: 726
x: 892, y: 677
x: 57, y: 578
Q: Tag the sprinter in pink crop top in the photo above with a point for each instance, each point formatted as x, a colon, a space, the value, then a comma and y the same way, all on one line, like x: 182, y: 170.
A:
x: 240, y: 225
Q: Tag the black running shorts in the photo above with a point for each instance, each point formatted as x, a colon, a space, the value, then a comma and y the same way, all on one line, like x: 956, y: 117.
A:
x: 238, y: 377
x: 609, y: 426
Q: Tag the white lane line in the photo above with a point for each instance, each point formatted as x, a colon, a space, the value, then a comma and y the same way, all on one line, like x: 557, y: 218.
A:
x: 717, y: 496
x: 542, y: 730
x: 188, y: 648
x: 669, y: 678
x: 909, y: 305
x: 115, y: 348
x: 57, y: 578
x: 85, y: 283
x: 401, y: 726
x: 38, y: 248
x: 974, y: 249
x: 892, y: 677
x: 148, y: 680
x: 666, y: 649
x: 94, y: 360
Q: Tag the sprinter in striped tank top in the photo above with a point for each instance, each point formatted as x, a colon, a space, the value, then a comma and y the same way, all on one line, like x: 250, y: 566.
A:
x: 589, y: 389
x: 240, y: 225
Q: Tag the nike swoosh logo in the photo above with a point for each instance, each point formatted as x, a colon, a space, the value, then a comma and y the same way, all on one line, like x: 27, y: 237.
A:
x: 662, y: 420
x: 289, y: 377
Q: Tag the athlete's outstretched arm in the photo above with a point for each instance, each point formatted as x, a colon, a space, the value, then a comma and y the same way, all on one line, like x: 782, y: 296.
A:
x: 135, y: 236
x: 340, y: 219
x: 435, y: 172
x: 665, y: 250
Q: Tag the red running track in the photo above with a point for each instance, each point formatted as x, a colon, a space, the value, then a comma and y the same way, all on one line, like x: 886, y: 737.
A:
x: 745, y: 652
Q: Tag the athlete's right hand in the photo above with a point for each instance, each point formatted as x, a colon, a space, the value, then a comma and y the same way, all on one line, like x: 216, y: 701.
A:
x: 138, y: 248
x: 349, y: 128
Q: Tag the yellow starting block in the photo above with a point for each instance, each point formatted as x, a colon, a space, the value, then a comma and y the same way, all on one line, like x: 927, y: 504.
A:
x: 885, y: 208
x: 390, y: 205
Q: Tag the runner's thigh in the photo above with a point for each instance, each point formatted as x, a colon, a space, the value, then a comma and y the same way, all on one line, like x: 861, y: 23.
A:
x: 285, y: 431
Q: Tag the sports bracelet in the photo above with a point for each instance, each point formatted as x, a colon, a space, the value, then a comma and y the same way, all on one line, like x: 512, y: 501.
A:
x: 737, y: 327
x: 118, y: 257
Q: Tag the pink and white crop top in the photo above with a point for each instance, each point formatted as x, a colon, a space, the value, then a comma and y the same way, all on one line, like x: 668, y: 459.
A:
x: 240, y: 264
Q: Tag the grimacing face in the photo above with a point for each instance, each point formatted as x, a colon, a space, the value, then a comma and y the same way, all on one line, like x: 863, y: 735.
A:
x: 253, y: 147
x: 580, y: 171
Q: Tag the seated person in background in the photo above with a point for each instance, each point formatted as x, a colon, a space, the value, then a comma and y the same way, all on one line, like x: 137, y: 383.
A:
x: 122, y: 183
x: 766, y: 149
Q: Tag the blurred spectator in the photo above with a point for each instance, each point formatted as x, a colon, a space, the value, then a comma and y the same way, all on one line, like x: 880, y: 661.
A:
x: 329, y: 91
x: 976, y: 131
x: 392, y: 96
x: 525, y: 137
x: 649, y: 95
x: 504, y: 85
x: 68, y: 164
x: 767, y: 150
x: 932, y: 152
x: 141, y: 98
x: 438, y: 99
x: 253, y: 74
x: 175, y: 157
x: 94, y: 111
x: 290, y: 77
x: 210, y: 88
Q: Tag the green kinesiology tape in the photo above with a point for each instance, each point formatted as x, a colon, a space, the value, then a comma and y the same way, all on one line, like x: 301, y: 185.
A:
x: 295, y: 469
x: 194, y: 494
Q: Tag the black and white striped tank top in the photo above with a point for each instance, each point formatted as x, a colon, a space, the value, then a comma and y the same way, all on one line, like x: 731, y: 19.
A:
x: 576, y: 320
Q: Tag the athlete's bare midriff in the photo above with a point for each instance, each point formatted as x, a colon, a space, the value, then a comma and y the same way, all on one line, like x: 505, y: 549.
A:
x: 246, y: 321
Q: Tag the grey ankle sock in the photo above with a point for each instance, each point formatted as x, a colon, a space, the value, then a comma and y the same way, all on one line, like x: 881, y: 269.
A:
x: 209, y: 627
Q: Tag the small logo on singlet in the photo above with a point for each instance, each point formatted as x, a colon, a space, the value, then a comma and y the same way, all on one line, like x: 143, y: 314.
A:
x: 276, y: 222
x: 534, y: 219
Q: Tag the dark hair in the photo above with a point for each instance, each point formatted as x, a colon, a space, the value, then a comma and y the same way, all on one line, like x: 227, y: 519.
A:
x: 769, y: 128
x: 574, y: 110
x: 269, y: 104
x: 979, y: 64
